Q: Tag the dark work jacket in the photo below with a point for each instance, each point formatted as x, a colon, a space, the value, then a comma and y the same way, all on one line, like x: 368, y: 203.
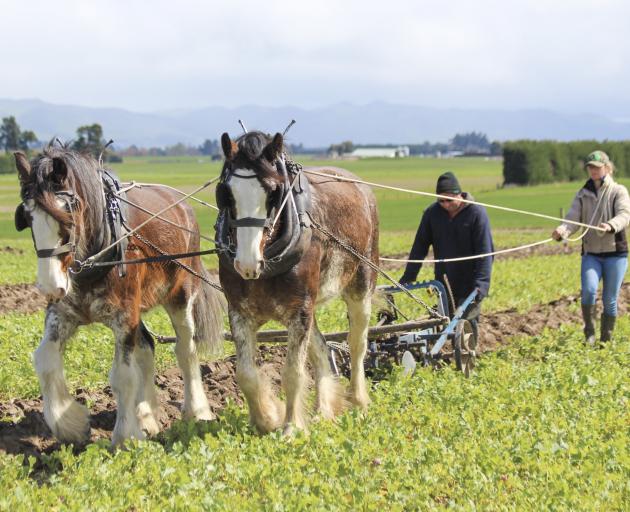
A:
x: 466, y: 234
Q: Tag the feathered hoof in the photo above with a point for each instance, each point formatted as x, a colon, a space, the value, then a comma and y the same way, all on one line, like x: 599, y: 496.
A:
x: 123, y: 432
x: 331, y: 398
x: 68, y: 421
x: 270, y: 418
x: 360, y: 400
x: 147, y: 420
x: 198, y: 414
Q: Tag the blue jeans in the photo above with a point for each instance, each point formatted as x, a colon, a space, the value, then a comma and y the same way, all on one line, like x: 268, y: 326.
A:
x: 612, y: 269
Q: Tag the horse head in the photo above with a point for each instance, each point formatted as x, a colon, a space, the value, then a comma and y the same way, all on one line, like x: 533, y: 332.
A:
x: 52, y: 205
x: 250, y: 192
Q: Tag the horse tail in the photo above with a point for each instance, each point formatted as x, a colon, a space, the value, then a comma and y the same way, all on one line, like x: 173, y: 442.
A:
x: 208, y: 308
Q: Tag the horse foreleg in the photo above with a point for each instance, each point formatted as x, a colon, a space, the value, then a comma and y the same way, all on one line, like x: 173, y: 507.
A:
x: 266, y: 412
x: 195, y: 400
x: 147, y: 408
x: 359, y: 318
x: 126, y: 380
x: 299, y: 330
x: 68, y: 420
x: 330, y: 397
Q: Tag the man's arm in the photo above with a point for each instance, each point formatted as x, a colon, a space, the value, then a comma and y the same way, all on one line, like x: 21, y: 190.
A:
x: 419, y: 250
x: 482, y: 244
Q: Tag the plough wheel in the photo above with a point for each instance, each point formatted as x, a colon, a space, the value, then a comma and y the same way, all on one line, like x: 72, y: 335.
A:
x: 464, y: 346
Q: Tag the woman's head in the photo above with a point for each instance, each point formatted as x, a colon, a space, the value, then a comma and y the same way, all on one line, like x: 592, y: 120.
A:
x: 598, y: 165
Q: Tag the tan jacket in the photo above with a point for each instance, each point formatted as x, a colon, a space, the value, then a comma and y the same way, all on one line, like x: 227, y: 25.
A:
x: 613, y: 209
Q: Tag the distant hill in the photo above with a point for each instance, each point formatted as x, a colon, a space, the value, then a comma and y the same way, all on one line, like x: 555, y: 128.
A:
x: 377, y: 122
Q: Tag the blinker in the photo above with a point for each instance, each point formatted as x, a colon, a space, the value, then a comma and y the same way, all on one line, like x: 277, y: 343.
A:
x: 21, y: 220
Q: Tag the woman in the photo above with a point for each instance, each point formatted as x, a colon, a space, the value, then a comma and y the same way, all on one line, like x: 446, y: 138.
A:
x: 606, y: 204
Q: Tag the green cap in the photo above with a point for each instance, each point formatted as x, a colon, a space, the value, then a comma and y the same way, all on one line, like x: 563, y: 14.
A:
x: 597, y: 158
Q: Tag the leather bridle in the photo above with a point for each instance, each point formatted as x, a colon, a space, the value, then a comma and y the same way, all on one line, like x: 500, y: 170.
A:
x: 22, y: 221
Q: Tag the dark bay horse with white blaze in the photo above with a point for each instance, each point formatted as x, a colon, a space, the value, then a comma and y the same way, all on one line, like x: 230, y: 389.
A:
x: 281, y: 270
x: 67, y: 203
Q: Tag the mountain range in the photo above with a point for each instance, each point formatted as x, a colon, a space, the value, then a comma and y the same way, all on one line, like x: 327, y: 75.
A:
x: 373, y: 123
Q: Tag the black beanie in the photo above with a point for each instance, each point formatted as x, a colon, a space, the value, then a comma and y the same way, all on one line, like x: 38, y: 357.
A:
x: 448, y: 183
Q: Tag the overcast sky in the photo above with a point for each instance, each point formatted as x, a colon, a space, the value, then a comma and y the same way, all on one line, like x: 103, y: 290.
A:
x: 571, y: 56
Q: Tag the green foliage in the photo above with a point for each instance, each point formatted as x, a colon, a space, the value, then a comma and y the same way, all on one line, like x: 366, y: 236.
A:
x: 89, y: 139
x: 530, y: 162
x: 7, y: 164
x: 13, y: 138
x: 541, y: 425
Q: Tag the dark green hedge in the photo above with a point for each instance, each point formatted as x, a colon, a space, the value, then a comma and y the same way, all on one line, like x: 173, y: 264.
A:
x: 7, y: 164
x: 529, y: 162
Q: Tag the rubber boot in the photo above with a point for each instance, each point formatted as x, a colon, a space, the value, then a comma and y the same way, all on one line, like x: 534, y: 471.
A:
x: 589, y: 315
x: 608, y: 326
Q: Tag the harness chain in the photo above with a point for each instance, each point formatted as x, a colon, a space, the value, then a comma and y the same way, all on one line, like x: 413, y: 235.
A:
x: 432, y: 312
x: 178, y: 263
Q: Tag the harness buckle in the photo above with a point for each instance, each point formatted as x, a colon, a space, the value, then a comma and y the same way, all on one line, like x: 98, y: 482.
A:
x: 77, y: 266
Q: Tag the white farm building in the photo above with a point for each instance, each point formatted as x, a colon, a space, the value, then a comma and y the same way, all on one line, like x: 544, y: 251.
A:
x: 375, y: 152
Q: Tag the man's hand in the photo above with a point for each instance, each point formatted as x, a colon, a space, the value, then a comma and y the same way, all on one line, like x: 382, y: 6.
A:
x: 607, y: 227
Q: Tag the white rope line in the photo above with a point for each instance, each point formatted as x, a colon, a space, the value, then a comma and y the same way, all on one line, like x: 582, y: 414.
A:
x: 284, y: 201
x: 430, y: 194
x: 142, y: 224
x: 134, y: 184
x: 174, y: 224
x: 476, y: 256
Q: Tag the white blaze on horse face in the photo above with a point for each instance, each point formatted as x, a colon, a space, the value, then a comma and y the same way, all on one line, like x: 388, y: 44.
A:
x: 250, y: 200
x: 51, y: 278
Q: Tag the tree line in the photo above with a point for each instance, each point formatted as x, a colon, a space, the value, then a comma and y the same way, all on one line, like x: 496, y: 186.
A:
x: 89, y: 139
x: 530, y: 162
x: 470, y: 143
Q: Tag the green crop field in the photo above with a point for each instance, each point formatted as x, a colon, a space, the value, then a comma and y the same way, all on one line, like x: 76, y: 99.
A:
x: 543, y: 423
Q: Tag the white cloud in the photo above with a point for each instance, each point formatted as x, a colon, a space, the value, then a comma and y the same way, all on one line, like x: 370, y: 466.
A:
x: 163, y: 54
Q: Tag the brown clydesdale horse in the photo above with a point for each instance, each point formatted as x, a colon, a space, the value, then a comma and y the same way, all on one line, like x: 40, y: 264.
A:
x: 67, y: 205
x: 264, y: 282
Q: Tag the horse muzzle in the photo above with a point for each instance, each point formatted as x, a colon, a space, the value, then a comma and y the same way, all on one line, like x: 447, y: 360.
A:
x: 248, y: 271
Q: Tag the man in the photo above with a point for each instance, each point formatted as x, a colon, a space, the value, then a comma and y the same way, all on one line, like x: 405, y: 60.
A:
x: 455, y: 229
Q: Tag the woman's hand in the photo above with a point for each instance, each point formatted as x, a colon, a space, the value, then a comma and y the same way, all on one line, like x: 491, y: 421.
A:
x: 557, y: 235
x: 607, y: 227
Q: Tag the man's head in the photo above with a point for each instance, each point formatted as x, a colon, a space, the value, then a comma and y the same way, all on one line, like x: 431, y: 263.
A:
x: 447, y: 185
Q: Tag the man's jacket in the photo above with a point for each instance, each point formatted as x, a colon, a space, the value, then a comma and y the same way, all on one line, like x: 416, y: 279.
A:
x: 609, y: 204
x: 466, y: 234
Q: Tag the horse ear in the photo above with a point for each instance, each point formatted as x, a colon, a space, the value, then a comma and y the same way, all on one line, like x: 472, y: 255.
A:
x: 23, y: 166
x: 229, y: 148
x: 274, y: 148
x: 60, y: 171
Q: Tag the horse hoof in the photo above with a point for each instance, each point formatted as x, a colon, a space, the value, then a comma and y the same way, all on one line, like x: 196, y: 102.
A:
x: 288, y: 430
x: 119, y: 438
x: 361, y: 401
x: 203, y: 414
x: 147, y: 420
x: 70, y: 426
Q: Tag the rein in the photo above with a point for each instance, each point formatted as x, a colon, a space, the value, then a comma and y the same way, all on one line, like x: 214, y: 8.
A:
x: 80, y: 266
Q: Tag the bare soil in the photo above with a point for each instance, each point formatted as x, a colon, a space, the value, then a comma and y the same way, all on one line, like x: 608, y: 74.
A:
x: 24, y: 431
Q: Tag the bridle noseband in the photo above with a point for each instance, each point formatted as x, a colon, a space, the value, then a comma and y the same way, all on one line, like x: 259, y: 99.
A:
x: 223, y: 194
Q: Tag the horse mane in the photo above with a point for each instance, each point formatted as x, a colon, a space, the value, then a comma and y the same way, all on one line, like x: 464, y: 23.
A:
x: 83, y: 177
